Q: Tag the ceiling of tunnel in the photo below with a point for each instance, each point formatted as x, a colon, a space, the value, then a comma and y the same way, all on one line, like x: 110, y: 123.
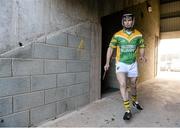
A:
x: 167, y: 1
x: 169, y: 15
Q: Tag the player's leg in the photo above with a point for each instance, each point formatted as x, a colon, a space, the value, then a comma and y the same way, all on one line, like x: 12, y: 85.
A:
x: 133, y: 74
x: 124, y: 93
x: 134, y: 93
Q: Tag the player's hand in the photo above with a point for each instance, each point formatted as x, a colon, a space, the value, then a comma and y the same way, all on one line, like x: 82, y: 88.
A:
x: 106, y: 67
x: 142, y: 59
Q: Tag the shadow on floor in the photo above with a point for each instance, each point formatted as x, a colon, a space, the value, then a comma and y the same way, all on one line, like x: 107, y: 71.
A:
x: 108, y: 91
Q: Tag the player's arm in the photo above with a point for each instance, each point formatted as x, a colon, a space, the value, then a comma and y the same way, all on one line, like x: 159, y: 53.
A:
x: 108, y: 58
x: 112, y: 45
x: 142, y: 57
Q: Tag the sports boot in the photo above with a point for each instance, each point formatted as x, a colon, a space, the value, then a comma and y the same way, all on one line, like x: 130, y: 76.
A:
x: 136, y: 105
x: 127, y: 115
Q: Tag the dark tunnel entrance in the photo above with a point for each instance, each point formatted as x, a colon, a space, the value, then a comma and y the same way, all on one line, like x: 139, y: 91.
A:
x: 110, y: 25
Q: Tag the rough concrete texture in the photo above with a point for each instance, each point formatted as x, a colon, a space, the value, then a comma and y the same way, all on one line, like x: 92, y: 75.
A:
x: 159, y: 97
x: 31, y: 20
x: 50, y: 77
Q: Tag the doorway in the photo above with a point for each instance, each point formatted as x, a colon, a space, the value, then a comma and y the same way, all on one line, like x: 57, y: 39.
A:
x: 110, y: 25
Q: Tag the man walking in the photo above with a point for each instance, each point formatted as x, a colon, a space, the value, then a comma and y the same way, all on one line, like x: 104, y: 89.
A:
x: 126, y: 42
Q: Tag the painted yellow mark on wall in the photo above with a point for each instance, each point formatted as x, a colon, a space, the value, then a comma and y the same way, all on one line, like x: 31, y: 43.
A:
x: 81, y: 44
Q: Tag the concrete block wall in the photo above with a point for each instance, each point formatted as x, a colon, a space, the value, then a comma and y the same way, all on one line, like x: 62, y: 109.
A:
x: 43, y: 80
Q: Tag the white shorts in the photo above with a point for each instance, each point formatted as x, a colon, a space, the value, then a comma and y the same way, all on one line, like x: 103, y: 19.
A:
x: 130, y: 69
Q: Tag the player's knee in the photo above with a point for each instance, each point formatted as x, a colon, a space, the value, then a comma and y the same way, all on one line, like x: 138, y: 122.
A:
x: 133, y: 82
x: 123, y: 84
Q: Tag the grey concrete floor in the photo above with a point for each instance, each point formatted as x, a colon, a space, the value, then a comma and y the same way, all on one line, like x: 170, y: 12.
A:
x: 160, y: 98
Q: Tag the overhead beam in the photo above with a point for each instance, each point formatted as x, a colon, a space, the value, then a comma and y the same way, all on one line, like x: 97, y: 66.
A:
x: 170, y: 35
x: 167, y: 1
